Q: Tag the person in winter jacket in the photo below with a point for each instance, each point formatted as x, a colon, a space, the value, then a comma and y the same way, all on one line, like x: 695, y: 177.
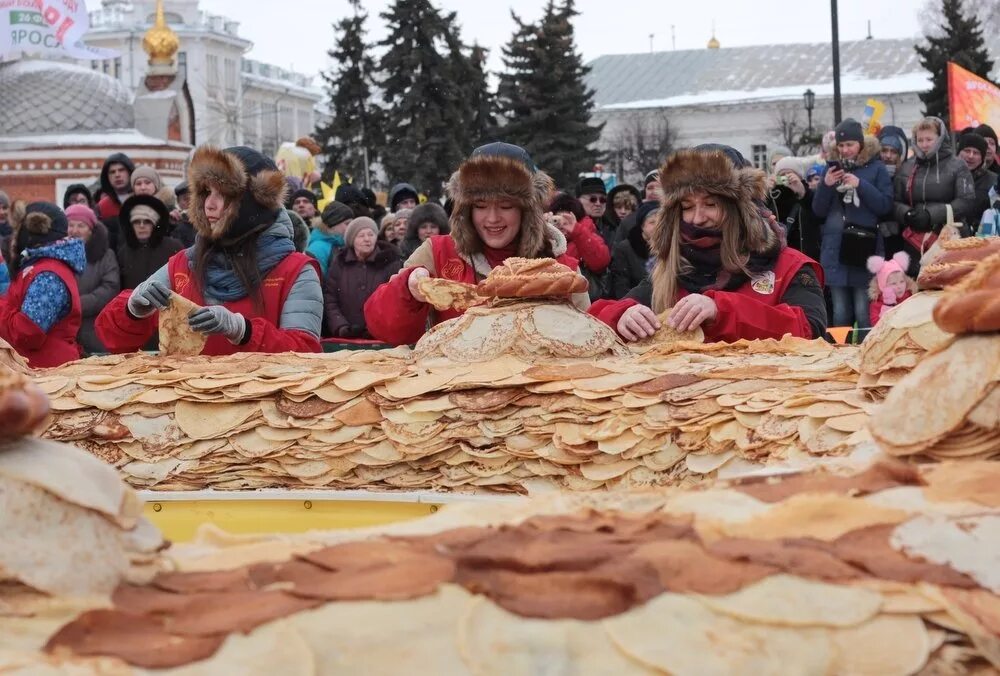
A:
x: 992, y: 162
x: 99, y: 282
x: 583, y: 242
x: 40, y: 315
x: 5, y: 229
x: 327, y: 235
x: 116, y: 184
x: 257, y: 293
x: 387, y: 229
x: 973, y: 150
x: 426, y: 220
x: 890, y: 285
x: 790, y: 200
x: 300, y: 231
x: 303, y: 202
x: 623, y: 200
x: 854, y: 195
x: 183, y: 229
x: 631, y: 261
x: 721, y: 264
x: 894, y: 148
x: 145, y: 247
x: 926, y: 184
x: 402, y: 196
x: 500, y: 199
x: 78, y: 193
x: 355, y: 272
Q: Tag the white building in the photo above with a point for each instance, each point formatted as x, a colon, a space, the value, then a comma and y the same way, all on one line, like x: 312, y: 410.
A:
x: 236, y: 100
x: 751, y: 98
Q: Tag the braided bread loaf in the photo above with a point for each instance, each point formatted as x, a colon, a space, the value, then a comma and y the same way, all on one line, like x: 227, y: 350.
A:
x: 531, y: 278
x: 973, y: 306
x: 958, y: 258
x: 23, y: 405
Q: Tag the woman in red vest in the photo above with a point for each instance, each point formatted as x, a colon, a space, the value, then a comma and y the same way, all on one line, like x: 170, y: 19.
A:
x: 721, y: 263
x: 499, y: 212
x: 41, y: 313
x: 258, y: 293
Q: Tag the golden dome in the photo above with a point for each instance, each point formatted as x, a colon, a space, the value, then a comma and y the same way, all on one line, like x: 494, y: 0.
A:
x: 160, y: 42
x: 713, y: 43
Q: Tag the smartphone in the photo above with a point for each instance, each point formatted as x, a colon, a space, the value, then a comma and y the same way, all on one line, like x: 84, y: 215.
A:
x: 834, y: 165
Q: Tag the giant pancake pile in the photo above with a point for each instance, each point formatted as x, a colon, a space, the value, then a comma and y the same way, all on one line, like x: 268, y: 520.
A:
x: 529, y: 417
x: 883, y: 573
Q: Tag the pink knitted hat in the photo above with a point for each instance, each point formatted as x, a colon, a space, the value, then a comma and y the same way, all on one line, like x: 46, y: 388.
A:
x: 81, y: 212
x: 882, y: 268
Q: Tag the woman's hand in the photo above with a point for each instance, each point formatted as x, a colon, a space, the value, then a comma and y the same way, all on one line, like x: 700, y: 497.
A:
x: 691, y: 312
x: 638, y: 322
x: 567, y: 222
x: 833, y: 177
x: 850, y: 180
x: 795, y: 183
x: 413, y: 286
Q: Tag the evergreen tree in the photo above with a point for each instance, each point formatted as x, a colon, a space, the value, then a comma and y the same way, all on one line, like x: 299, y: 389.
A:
x: 482, y: 101
x: 426, y: 132
x: 961, y: 42
x: 356, y: 125
x: 543, y: 97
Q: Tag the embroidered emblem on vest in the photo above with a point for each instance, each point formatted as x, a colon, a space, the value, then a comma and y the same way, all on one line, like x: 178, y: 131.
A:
x: 453, y: 269
x: 763, y: 283
x: 181, y: 281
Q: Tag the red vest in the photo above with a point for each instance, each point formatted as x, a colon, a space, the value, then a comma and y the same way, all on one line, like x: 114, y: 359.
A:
x: 274, y: 291
x: 769, y: 287
x: 449, y: 265
x: 60, y: 344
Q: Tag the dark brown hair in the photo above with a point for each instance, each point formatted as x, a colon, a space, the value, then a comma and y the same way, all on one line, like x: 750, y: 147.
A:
x: 241, y: 255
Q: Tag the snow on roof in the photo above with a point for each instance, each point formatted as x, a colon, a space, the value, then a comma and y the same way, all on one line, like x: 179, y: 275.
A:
x: 766, y: 72
x: 111, y: 138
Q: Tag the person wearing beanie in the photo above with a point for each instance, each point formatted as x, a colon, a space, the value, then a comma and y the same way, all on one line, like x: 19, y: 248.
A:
x: 116, y: 184
x: 303, y: 202
x: 895, y: 148
x: 926, y: 185
x: 500, y: 200
x: 851, y: 200
x: 100, y: 280
x: 258, y: 294
x: 814, y: 175
x: 987, y: 132
x: 78, y: 193
x: 40, y: 315
x: 651, y: 188
x: 790, y: 200
x: 355, y: 272
x: 328, y: 233
x: 583, y: 241
x: 777, y: 154
x: 973, y: 150
x: 424, y: 221
x: 630, y: 261
x: 401, y: 223
x: 371, y: 200
x: 183, y: 230
x: 890, y: 285
x: 5, y: 229
x: 387, y: 229
x: 593, y: 195
x: 720, y: 264
x: 402, y: 196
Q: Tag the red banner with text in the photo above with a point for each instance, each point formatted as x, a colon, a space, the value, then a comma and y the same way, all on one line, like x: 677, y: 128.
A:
x: 971, y: 99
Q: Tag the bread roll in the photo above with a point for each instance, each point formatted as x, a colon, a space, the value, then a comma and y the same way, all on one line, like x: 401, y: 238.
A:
x: 958, y: 258
x: 973, y: 306
x: 531, y: 278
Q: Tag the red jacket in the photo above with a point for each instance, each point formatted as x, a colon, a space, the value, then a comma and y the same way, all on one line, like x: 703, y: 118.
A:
x: 41, y: 349
x: 108, y: 207
x: 394, y: 316
x: 876, y: 307
x: 588, y: 247
x: 744, y: 313
x: 121, y: 333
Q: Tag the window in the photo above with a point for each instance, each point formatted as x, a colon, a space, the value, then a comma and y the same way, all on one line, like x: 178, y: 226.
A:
x: 230, y: 74
x: 212, y: 76
x: 759, y: 155
x: 118, y: 68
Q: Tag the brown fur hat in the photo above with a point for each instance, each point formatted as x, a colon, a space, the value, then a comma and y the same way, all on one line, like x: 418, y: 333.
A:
x: 500, y: 171
x: 253, y: 187
x: 688, y: 171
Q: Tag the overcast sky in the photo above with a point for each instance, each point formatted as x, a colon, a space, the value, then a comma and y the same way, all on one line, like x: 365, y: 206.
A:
x: 301, y: 31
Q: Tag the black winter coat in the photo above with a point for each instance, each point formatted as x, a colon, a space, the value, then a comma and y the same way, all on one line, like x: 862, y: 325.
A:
x: 350, y: 281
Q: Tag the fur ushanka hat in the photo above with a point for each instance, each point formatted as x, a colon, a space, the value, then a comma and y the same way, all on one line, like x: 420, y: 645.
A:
x: 253, y: 187
x: 493, y: 172
x: 688, y: 171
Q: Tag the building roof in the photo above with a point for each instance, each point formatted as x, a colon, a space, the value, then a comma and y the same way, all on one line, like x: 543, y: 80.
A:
x: 765, y: 72
x: 105, y: 138
x: 44, y: 97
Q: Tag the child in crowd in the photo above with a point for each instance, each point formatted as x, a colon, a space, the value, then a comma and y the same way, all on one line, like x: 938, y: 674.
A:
x: 890, y: 285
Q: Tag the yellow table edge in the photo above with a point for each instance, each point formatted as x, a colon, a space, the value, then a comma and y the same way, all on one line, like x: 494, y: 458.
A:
x: 178, y: 515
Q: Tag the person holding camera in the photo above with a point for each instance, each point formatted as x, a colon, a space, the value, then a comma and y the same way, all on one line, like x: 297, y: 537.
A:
x: 791, y: 201
x: 926, y: 185
x: 855, y: 193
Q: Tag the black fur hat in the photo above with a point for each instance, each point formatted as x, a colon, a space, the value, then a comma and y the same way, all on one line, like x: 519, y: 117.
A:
x: 37, y: 224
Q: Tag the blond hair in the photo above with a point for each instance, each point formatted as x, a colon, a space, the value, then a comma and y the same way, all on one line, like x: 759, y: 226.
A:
x: 926, y: 124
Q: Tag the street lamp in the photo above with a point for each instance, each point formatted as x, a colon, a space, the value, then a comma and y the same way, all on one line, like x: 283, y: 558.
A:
x: 809, y: 99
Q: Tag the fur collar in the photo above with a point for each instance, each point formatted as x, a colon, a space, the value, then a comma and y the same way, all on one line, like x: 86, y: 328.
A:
x: 870, y: 150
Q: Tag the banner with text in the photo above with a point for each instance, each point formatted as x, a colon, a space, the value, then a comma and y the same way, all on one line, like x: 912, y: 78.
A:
x: 972, y: 101
x: 47, y: 28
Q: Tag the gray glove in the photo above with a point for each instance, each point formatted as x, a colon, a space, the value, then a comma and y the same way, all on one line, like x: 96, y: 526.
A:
x: 147, y: 298
x: 217, y: 319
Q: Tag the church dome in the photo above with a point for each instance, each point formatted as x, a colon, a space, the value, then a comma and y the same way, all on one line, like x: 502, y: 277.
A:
x: 46, y: 97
